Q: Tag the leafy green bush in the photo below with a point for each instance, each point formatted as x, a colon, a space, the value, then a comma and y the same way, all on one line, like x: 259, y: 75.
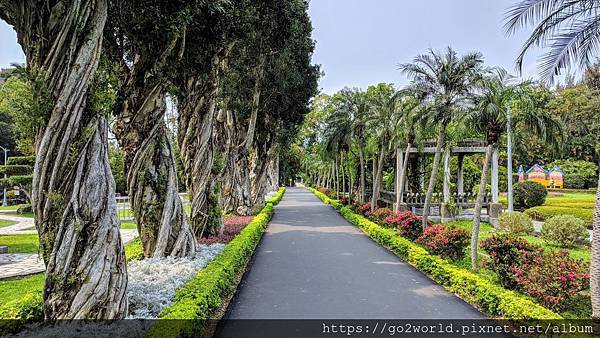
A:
x: 544, y: 212
x: 578, y: 174
x: 516, y: 222
x: 15, y: 314
x: 12, y: 170
x: 24, y: 209
x: 529, y: 194
x: 564, y: 230
x: 198, y: 300
x: 21, y: 160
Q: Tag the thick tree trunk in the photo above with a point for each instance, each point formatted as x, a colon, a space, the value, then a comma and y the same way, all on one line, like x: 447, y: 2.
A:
x: 197, y: 113
x: 434, y: 172
x: 478, y: 205
x: 150, y: 163
x: 258, y: 178
x: 73, y: 191
x: 235, y: 178
x: 595, y: 262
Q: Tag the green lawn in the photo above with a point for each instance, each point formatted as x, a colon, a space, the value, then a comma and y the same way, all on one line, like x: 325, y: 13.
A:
x: 14, y: 213
x: 10, y: 207
x: 20, y: 243
x: 5, y: 223
x: 487, y: 230
x: 128, y: 225
x: 17, y: 288
x: 578, y: 204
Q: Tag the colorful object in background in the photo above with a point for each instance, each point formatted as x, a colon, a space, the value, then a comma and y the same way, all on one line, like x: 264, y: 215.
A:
x: 552, y: 178
x: 521, y: 174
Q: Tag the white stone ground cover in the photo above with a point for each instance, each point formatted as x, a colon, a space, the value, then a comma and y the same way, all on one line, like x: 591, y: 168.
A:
x: 153, y: 282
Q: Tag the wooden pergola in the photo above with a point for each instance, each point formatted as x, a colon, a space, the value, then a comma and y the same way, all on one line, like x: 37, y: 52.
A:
x: 460, y: 198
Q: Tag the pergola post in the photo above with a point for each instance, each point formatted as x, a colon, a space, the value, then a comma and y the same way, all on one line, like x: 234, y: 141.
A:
x: 495, y: 208
x: 495, y: 176
x: 460, y: 179
x: 399, y: 166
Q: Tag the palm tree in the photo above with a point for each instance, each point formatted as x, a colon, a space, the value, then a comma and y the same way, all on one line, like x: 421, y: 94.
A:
x: 571, y: 31
x: 405, y: 132
x: 489, y: 117
x: 381, y: 122
x: 444, y: 82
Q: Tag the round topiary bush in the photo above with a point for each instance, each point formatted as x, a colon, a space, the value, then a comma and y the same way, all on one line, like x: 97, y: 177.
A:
x: 564, y: 230
x: 529, y: 194
x: 516, y: 222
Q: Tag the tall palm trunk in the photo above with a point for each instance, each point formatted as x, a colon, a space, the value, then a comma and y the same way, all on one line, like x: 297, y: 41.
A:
x: 363, y: 184
x: 400, y: 192
x: 478, y: 204
x: 595, y: 262
x: 377, y: 177
x: 150, y: 162
x: 343, y: 174
x: 434, y: 173
x: 73, y: 191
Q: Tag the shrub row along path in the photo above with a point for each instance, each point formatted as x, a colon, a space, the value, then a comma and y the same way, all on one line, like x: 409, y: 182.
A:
x: 23, y: 264
x: 313, y: 264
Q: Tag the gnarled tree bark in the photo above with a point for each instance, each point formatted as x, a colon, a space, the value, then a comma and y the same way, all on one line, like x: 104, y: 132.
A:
x: 197, y: 112
x: 149, y: 160
x: 73, y: 191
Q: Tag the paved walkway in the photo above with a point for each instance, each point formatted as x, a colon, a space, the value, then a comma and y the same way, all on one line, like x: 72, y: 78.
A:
x: 313, y: 264
x: 23, y: 264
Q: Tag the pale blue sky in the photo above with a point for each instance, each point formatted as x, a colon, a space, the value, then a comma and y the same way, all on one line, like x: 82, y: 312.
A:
x: 361, y: 42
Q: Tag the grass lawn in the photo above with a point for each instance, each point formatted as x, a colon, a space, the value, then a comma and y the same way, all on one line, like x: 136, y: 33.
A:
x: 14, y: 213
x: 20, y: 243
x: 10, y: 207
x: 128, y: 225
x: 578, y: 204
x: 12, y: 289
x: 5, y: 223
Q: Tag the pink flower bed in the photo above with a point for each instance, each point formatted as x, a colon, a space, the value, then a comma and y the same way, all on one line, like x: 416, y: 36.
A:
x: 233, y: 226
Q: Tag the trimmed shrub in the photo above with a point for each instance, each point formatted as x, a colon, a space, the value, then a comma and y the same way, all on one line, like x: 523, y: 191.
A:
x: 529, y: 194
x: 21, y: 160
x: 509, y: 256
x: 380, y: 215
x: 544, y: 212
x: 24, y: 209
x: 516, y: 222
x: 408, y: 224
x: 15, y: 314
x: 444, y: 241
x: 555, y: 278
x: 564, y: 230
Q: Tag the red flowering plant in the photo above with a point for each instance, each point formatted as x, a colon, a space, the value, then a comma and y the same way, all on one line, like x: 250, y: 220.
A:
x: 554, y: 278
x: 449, y: 243
x: 233, y: 225
x: 344, y: 200
x: 380, y: 215
x: 363, y: 209
x: 510, y: 256
x: 407, y: 223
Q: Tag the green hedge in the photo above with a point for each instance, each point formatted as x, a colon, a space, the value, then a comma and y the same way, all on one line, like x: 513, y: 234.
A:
x: 544, y: 212
x: 488, y: 297
x: 11, y: 170
x: 16, y: 181
x: 204, y: 294
x: 334, y: 203
x: 21, y: 160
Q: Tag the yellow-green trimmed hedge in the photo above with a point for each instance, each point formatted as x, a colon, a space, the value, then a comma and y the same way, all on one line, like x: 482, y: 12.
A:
x: 334, y: 203
x: 492, y: 299
x: 204, y: 294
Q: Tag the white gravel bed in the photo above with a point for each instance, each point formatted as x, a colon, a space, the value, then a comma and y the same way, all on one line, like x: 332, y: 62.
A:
x: 153, y: 282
